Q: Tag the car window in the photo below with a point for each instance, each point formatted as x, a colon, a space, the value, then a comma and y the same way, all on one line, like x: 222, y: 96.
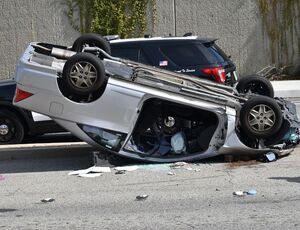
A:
x: 133, y: 54
x: 185, y: 55
x: 215, y: 53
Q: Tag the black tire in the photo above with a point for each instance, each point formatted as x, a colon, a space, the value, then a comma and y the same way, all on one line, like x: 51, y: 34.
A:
x: 255, y: 84
x: 91, y: 39
x: 260, y: 117
x: 83, y: 74
x: 12, y: 130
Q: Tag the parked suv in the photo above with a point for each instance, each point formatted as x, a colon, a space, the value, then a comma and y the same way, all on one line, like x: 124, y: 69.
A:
x: 190, y: 55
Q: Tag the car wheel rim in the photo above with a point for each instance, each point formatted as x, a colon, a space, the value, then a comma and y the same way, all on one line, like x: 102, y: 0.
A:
x: 4, y: 129
x: 83, y: 75
x: 261, y: 118
x: 7, y: 130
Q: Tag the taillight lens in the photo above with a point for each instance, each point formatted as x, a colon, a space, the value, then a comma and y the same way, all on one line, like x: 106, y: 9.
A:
x: 21, y: 95
x: 217, y: 72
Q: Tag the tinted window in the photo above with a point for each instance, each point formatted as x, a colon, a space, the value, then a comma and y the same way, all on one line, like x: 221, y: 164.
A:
x: 215, y: 53
x: 185, y: 55
x: 133, y: 54
x: 127, y: 53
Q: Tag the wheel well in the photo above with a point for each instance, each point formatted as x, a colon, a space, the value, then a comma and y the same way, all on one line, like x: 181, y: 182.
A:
x: 19, y: 114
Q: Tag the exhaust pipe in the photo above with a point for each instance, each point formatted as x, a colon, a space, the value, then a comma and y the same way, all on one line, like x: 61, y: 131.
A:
x: 61, y: 53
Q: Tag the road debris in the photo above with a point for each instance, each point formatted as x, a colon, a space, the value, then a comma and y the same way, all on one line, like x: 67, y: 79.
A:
x: 142, y: 197
x: 120, y: 172
x: 127, y: 168
x: 270, y: 157
x: 250, y: 192
x: 218, y: 190
x: 90, y: 175
x: 171, y: 174
x: 239, y: 193
x: 93, y: 169
x: 47, y: 200
x: 178, y: 164
x: 2, y: 177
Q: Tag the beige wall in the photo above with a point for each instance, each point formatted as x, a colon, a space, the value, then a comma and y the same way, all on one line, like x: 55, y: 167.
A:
x: 23, y: 21
x: 237, y: 24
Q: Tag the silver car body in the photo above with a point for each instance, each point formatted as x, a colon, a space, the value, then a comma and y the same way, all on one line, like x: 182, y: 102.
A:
x: 118, y: 109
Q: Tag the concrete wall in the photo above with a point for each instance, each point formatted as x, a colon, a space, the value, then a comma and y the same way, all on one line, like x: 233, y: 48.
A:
x: 23, y: 21
x: 236, y: 23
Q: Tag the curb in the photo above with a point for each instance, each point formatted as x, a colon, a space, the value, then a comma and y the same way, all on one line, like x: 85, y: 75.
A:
x: 44, y: 150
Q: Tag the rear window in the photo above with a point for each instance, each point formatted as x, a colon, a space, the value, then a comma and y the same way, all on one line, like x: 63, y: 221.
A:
x: 185, y: 55
x: 216, y: 55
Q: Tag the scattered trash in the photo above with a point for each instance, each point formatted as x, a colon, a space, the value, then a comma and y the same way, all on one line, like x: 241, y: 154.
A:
x: 178, y: 164
x: 93, y: 169
x: 2, y: 178
x: 120, y: 172
x: 171, y: 173
x: 251, y: 192
x: 197, y: 170
x: 239, y: 193
x: 189, y: 169
x: 90, y: 175
x: 47, y: 200
x: 142, y: 197
x: 270, y: 156
x: 127, y: 168
x: 155, y: 167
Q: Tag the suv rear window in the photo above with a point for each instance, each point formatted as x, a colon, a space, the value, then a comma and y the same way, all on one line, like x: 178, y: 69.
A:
x: 216, y: 54
x: 194, y: 54
x: 185, y: 55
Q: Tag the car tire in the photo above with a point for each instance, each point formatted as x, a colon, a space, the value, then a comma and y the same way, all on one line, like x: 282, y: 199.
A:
x: 91, y: 39
x: 12, y: 131
x: 255, y: 84
x: 260, y: 117
x: 83, y: 74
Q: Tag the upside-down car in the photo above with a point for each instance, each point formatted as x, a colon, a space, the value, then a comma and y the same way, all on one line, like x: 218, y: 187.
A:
x: 145, y: 113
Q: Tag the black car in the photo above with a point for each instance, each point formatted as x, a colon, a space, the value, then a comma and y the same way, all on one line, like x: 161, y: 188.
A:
x: 190, y: 55
x: 17, y: 123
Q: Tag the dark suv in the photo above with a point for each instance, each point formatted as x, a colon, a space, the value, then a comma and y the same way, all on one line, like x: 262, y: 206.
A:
x: 190, y: 55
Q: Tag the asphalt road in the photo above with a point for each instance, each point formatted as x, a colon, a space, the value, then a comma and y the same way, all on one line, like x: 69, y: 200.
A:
x: 200, y: 198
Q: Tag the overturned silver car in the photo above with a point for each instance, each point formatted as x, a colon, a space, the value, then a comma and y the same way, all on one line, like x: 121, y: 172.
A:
x: 145, y: 113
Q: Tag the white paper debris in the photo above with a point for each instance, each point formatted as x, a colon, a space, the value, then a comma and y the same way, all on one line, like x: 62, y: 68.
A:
x: 127, y: 168
x: 239, y: 193
x: 93, y: 169
x: 90, y: 175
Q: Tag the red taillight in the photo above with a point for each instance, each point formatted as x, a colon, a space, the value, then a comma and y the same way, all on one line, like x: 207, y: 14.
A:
x: 21, y: 95
x: 217, y: 72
